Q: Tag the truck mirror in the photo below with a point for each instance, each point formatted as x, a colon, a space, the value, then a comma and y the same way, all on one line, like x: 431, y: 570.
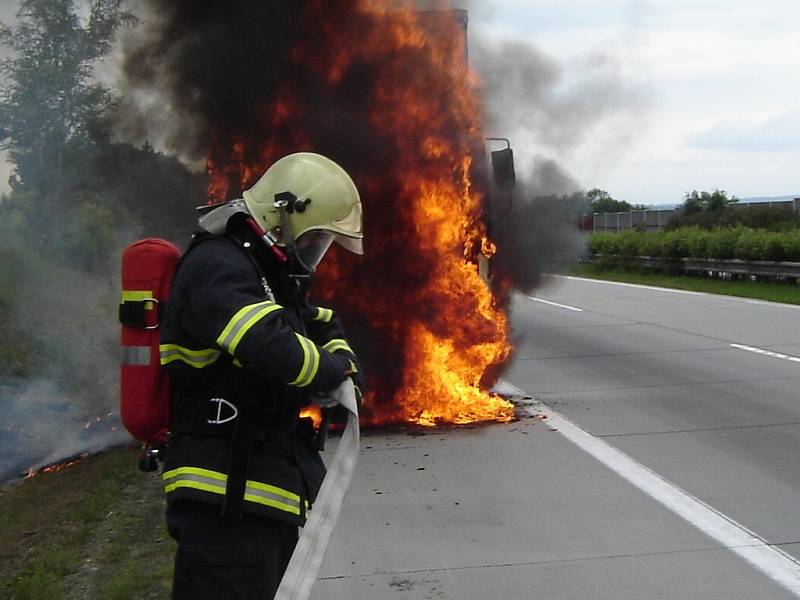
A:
x: 503, y: 169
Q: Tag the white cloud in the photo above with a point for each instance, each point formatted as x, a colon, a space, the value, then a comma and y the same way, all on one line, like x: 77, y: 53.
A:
x: 721, y: 74
x: 777, y: 133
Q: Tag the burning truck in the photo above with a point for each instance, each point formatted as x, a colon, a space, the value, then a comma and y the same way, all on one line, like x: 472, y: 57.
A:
x: 386, y: 91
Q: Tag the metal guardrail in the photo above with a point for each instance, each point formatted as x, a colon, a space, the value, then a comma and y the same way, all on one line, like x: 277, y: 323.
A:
x: 785, y: 270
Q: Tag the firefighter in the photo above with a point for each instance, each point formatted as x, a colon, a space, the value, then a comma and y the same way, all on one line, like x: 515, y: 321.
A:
x: 246, y: 351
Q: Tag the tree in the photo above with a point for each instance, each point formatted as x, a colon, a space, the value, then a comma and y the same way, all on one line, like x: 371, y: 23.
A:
x: 50, y: 102
x: 601, y: 201
x: 696, y: 202
x: 49, y: 110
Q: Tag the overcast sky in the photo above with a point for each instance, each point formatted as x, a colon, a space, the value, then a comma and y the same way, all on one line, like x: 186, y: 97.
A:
x: 714, y: 90
x: 690, y: 94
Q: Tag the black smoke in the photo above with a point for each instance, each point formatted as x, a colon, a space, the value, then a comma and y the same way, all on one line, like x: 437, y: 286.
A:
x: 209, y: 81
x: 195, y: 68
x: 548, y: 111
x: 537, y: 228
x: 247, y: 82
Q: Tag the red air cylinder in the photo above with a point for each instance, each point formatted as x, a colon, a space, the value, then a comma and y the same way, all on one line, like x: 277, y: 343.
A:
x: 147, y: 270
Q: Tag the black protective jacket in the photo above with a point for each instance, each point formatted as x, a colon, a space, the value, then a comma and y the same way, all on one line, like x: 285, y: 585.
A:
x: 242, y: 365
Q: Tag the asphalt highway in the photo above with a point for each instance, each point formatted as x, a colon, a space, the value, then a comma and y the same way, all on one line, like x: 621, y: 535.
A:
x: 657, y: 458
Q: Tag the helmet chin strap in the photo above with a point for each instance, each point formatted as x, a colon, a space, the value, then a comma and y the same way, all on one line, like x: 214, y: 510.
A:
x: 302, y: 280
x: 283, y: 203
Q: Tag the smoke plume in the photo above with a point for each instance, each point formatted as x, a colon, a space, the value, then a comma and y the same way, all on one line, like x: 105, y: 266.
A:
x: 536, y: 229
x: 238, y: 105
x: 532, y: 96
x: 70, y: 404
x: 548, y: 111
x: 335, y: 78
x: 209, y: 83
x: 194, y: 68
x: 62, y: 229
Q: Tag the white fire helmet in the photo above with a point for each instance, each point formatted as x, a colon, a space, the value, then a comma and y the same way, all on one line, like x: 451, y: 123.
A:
x: 320, y: 202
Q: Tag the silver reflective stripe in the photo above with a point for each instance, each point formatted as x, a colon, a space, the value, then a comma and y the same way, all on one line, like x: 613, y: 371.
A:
x: 194, y: 358
x: 242, y: 321
x: 338, y: 344
x: 310, y: 362
x: 198, y: 482
x: 260, y: 496
x: 324, y: 314
x: 216, y: 483
x: 136, y: 356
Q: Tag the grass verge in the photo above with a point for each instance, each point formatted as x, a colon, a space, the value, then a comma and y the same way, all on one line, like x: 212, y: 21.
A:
x: 94, y: 530
x: 787, y: 293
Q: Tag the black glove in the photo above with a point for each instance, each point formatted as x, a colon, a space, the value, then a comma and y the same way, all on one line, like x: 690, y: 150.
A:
x: 357, y: 375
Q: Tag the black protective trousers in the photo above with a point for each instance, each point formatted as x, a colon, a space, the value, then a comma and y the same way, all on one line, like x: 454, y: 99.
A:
x: 226, y: 559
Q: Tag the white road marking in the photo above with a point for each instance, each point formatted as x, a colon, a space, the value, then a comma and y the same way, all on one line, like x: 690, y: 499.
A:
x: 770, y: 560
x: 769, y: 353
x: 556, y: 304
x: 636, y: 285
x: 765, y: 303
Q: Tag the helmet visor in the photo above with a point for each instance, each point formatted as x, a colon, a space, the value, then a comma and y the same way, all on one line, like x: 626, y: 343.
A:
x: 354, y: 245
x: 312, y: 246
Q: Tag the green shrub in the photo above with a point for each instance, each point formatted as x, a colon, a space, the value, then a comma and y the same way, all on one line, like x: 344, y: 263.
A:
x: 791, y: 246
x: 602, y: 243
x: 20, y: 354
x: 85, y: 237
x: 774, y: 247
x: 674, y: 244
x: 696, y: 242
x: 630, y: 243
x: 751, y: 245
x: 650, y: 245
x: 724, y: 244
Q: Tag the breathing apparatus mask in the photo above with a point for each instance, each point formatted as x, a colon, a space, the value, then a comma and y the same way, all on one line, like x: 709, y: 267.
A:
x: 303, y: 254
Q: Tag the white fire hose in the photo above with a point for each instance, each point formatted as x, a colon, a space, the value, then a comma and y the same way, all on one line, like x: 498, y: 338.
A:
x: 301, y: 574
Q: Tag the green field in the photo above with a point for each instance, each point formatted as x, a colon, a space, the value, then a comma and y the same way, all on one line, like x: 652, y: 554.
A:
x: 92, y: 531
x: 788, y: 293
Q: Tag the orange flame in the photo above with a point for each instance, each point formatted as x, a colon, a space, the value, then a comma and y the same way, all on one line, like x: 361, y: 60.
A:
x: 434, y: 332
x: 55, y: 468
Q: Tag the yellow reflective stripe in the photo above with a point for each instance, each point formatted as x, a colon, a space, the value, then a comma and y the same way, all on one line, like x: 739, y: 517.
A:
x: 242, y: 321
x: 301, y: 377
x: 323, y: 314
x: 194, y: 358
x: 196, y: 485
x: 315, y: 367
x: 138, y: 296
x: 215, y: 483
x: 273, y: 503
x: 194, y: 471
x: 270, y: 495
x: 195, y: 478
x: 265, y: 487
x: 310, y: 362
x: 338, y: 344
